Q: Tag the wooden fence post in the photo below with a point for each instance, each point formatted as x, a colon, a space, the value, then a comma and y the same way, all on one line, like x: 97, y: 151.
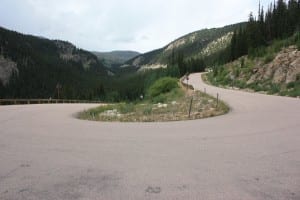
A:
x: 217, y: 100
x: 190, y: 107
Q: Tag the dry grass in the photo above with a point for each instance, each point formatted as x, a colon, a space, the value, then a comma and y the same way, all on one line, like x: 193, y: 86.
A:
x: 174, y: 108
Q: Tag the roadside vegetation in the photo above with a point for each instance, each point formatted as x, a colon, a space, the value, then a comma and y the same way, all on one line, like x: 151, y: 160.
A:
x: 165, y: 100
x: 244, y: 73
x: 264, y: 55
x: 46, y: 73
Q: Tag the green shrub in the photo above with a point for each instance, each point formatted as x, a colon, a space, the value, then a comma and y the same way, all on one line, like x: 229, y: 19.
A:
x: 277, y: 45
x: 240, y: 84
x: 159, y: 99
x: 236, y: 72
x: 255, y: 86
x: 294, y: 93
x: 290, y: 85
x: 162, y: 86
x: 257, y: 52
x: 269, y: 58
x: 100, y: 109
x: 125, y: 108
x: 293, y: 89
x: 147, y: 110
x: 274, y: 89
x: 226, y: 81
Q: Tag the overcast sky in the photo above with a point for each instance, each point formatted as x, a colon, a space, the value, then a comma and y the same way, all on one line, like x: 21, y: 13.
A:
x: 105, y: 25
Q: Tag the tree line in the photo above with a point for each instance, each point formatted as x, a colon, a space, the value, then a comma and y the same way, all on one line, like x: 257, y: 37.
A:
x: 183, y: 66
x: 279, y: 21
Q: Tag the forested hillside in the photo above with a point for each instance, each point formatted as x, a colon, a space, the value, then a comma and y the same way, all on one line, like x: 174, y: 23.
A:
x: 265, y: 55
x: 35, y: 67
x: 281, y: 20
x: 40, y: 67
x: 197, y: 48
x: 114, y: 59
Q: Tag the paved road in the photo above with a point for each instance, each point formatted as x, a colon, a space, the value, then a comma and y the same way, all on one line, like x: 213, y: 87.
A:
x: 251, y: 153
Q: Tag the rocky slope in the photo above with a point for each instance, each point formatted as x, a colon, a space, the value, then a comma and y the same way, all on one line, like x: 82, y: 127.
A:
x: 279, y: 74
x: 69, y: 52
x: 7, y: 68
x: 201, y: 43
x: 285, y: 68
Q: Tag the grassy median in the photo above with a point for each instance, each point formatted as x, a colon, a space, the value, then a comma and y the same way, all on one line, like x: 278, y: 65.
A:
x: 166, y: 100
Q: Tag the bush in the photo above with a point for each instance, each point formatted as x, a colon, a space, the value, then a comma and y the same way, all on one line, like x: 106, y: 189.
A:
x: 257, y: 52
x: 291, y: 85
x: 159, y: 99
x: 162, y: 86
x: 274, y: 89
x: 269, y: 58
x: 255, y: 86
x: 125, y: 108
x: 240, y: 84
x: 294, y: 93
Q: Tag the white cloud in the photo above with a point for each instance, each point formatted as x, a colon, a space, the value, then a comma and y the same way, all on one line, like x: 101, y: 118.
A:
x: 120, y: 24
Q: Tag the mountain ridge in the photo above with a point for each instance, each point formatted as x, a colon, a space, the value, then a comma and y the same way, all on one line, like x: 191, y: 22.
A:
x: 190, y: 45
x: 117, y: 57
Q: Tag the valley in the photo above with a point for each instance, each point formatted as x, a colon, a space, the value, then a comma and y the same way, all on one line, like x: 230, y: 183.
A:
x: 212, y: 115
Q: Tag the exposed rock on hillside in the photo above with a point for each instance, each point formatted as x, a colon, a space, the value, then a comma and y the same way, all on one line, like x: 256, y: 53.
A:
x: 217, y: 45
x: 204, y: 44
x: 136, y: 62
x: 283, y: 69
x: 153, y: 66
x: 176, y: 44
x: 69, y: 52
x: 7, y: 68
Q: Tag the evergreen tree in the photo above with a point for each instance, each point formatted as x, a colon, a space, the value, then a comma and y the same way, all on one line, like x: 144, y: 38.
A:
x: 280, y: 21
x: 234, y: 46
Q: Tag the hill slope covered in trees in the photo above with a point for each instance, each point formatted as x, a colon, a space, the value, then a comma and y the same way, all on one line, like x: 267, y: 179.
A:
x: 201, y: 46
x: 115, y: 58
x: 280, y: 21
x: 34, y: 67
x: 266, y: 53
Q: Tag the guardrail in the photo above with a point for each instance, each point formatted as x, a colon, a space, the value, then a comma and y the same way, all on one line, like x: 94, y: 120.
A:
x: 42, y: 101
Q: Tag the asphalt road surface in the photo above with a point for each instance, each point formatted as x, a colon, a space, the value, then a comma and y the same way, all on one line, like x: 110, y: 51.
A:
x: 251, y: 153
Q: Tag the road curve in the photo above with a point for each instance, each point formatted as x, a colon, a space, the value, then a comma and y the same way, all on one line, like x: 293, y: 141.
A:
x: 251, y: 153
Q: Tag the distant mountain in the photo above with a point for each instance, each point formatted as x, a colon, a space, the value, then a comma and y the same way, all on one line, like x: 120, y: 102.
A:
x: 203, y: 43
x: 35, y: 67
x: 115, y: 58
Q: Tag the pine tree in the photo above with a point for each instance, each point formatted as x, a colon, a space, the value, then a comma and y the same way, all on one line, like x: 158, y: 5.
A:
x: 280, y: 21
x: 233, y: 46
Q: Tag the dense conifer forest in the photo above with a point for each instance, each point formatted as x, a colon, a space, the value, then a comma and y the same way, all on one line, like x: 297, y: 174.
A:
x: 49, y: 69
x: 280, y: 21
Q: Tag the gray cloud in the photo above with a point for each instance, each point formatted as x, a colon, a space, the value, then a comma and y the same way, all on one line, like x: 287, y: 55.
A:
x: 120, y: 24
